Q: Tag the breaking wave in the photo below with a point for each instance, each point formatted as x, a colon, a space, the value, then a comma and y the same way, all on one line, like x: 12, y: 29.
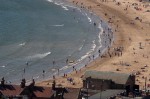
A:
x: 22, y: 44
x: 50, y: 0
x: 58, y: 25
x: 39, y: 55
x: 3, y: 66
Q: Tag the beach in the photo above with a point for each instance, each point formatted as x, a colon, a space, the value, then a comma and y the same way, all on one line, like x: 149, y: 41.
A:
x: 129, y: 52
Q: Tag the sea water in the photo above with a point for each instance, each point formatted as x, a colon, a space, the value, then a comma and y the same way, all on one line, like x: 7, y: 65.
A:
x: 37, y: 37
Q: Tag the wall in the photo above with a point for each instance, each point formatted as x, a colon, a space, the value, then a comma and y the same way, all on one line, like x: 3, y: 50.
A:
x: 97, y: 84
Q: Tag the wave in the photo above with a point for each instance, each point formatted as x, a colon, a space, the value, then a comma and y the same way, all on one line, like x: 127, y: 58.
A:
x: 89, y: 52
x: 90, y: 20
x: 99, y: 36
x: 57, y: 3
x: 53, y: 69
x: 39, y: 55
x: 3, y: 66
x: 83, y: 57
x: 80, y: 48
x: 93, y: 46
x: 62, y: 4
x: 50, y: 0
x: 65, y: 67
x: 64, y: 7
x: 22, y: 44
x: 58, y: 25
x: 100, y: 27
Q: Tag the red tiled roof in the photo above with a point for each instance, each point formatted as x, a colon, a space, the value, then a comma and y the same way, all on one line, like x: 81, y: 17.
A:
x: 43, y: 92
x: 72, y: 93
x: 10, y: 90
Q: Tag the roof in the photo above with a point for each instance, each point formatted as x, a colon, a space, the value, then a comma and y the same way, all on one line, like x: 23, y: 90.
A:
x: 10, y: 90
x: 73, y: 93
x: 39, y: 91
x: 147, y: 97
x: 119, y: 78
x: 106, y: 94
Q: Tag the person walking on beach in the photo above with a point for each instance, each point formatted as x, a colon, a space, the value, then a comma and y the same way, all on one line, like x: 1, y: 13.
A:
x: 24, y: 71
x: 73, y: 68
x: 67, y: 61
x: 53, y: 62
x: 43, y: 73
x: 58, y: 71
x: 27, y: 63
x: 99, y: 51
x: 94, y: 24
x: 89, y: 58
x: 93, y: 57
x: 53, y: 76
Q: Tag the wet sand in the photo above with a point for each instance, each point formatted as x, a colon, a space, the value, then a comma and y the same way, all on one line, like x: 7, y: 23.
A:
x: 129, y: 52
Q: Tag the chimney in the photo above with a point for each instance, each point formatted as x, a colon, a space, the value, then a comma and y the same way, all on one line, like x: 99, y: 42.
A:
x: 53, y: 85
x: 23, y: 83
x: 3, y: 81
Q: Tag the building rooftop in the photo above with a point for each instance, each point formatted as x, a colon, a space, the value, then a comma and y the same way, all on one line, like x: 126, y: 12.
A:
x: 119, y: 78
x: 106, y: 94
x: 10, y: 90
x: 72, y: 93
x: 39, y: 91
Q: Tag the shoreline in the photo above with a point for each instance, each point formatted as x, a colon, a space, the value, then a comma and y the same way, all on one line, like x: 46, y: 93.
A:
x: 81, y: 64
x: 122, y: 24
x: 80, y: 56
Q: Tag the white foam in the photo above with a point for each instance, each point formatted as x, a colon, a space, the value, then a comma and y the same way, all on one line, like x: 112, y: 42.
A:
x: 39, y: 55
x: 80, y: 47
x: 37, y: 77
x: 3, y: 66
x: 58, y: 25
x: 83, y: 57
x: 89, y: 52
x: 99, y: 36
x: 22, y: 44
x: 90, y: 20
x: 53, y: 69
x: 93, y: 46
x: 65, y: 67
x: 57, y: 3
x: 72, y: 7
x: 50, y: 0
x: 64, y: 7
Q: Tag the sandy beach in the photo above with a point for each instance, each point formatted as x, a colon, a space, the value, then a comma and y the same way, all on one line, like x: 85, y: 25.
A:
x: 129, y: 53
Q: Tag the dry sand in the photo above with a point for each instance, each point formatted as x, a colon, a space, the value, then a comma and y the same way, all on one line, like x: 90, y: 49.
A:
x: 133, y: 35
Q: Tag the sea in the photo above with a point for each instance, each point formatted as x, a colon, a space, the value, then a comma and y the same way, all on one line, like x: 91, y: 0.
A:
x: 40, y: 39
